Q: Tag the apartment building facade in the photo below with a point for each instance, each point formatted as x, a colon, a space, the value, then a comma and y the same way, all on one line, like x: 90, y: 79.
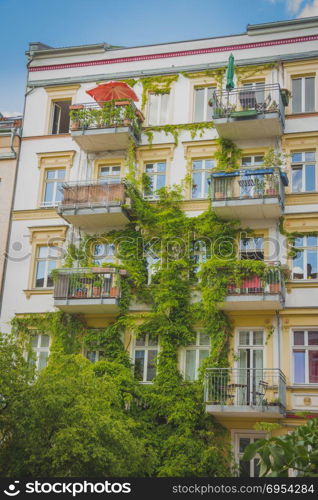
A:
x: 10, y: 130
x: 70, y: 183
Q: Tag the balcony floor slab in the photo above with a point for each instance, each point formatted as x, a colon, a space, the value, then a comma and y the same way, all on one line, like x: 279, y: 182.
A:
x: 253, y: 208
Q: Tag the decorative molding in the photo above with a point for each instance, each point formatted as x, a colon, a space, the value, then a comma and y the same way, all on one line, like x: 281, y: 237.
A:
x: 46, y: 234
x: 301, y: 199
x: 180, y: 53
x: 37, y: 291
x: 62, y: 88
x: 34, y: 214
x: 48, y: 136
x: 56, y: 159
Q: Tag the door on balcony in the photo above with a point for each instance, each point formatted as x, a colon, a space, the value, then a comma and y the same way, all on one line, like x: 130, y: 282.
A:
x: 241, y: 441
x: 250, y: 384
x: 252, y: 186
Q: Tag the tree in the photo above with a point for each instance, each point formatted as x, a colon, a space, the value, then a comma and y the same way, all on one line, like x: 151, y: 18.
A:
x: 297, y: 450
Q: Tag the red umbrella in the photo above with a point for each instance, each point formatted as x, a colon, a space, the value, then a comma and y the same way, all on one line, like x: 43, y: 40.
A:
x: 112, y: 90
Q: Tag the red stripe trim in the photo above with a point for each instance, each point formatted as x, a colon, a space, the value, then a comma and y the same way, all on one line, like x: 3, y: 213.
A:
x: 181, y: 53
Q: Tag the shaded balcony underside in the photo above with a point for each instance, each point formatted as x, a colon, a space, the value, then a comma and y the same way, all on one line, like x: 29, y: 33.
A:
x: 103, y: 139
x: 255, y: 208
x: 269, y: 125
x: 253, y: 302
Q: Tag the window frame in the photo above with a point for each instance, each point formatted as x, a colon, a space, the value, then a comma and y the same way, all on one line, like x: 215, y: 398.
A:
x: 206, y: 108
x: 114, y: 178
x: 249, y: 434
x: 197, y: 347
x: 146, y: 348
x: 55, y: 181
x: 201, y: 171
x: 304, y: 250
x: 159, y: 96
x: 37, y: 350
x: 304, y: 347
x: 38, y: 259
x: 53, y: 103
x: 155, y: 174
x: 296, y: 165
x: 303, y: 93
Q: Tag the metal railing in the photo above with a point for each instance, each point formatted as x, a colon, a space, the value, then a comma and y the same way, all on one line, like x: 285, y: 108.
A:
x: 87, y: 283
x: 109, y: 114
x: 92, y: 193
x: 245, y: 102
x: 271, y: 282
x: 247, y: 184
x: 253, y: 387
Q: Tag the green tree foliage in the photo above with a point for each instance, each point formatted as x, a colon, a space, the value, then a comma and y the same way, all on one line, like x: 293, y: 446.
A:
x: 297, y: 450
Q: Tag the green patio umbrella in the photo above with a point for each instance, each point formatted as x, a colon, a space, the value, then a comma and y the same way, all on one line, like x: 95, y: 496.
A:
x: 230, y: 73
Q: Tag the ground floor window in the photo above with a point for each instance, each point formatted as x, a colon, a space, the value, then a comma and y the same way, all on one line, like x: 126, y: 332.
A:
x: 145, y: 358
x: 40, y: 349
x: 241, y: 441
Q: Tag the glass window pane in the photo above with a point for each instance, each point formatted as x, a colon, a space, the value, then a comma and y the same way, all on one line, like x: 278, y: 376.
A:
x: 299, y: 367
x: 258, y: 160
x: 199, y: 105
x: 297, y: 183
x: 51, y: 266
x: 209, y: 164
x: 43, y: 359
x: 310, y: 156
x: 34, y: 340
x: 310, y: 181
x: 49, y: 190
x: 151, y: 365
x: 256, y: 467
x: 152, y: 340
x: 196, y: 185
x: 208, y: 109
x: 207, y: 177
x: 312, y: 338
x: 298, y: 266
x: 296, y: 157
x: 243, y: 443
x: 91, y: 356
x: 139, y: 364
x: 299, y: 242
x: 299, y: 338
x: 197, y: 165
x: 246, y: 160
x: 43, y: 252
x: 311, y: 241
x: 258, y: 338
x: 61, y: 173
x: 313, y: 367
x: 310, y: 94
x: 45, y: 340
x: 161, y: 167
x: 244, y: 338
x: 51, y: 174
x: 190, y: 364
x: 39, y: 275
x: 245, y: 469
x: 296, y: 95
x: 104, y: 171
x: 99, y: 250
x: 164, y: 108
x: 311, y: 264
x: 149, y: 167
x: 161, y: 181
x: 203, y: 354
x: 141, y: 340
x: 204, y: 339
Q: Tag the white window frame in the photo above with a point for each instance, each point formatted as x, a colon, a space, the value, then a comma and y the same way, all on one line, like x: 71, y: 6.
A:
x: 197, y: 347
x: 253, y: 163
x: 55, y: 103
x: 303, y: 93
x: 305, y: 347
x: 304, y: 249
x: 302, y: 165
x: 154, y: 177
x: 146, y: 348
x: 250, y: 434
x: 46, y: 260
x: 201, y: 171
x: 105, y: 257
x: 262, y: 346
x: 159, y: 96
x: 37, y: 350
x: 206, y: 108
x: 55, y: 181
x: 97, y: 353
x: 113, y: 177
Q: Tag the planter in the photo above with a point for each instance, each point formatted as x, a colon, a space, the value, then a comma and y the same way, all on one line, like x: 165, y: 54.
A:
x: 81, y: 293
x: 274, y: 288
x: 219, y: 196
x: 114, y: 291
x: 126, y: 122
x: 96, y: 291
x: 271, y: 192
x: 75, y: 125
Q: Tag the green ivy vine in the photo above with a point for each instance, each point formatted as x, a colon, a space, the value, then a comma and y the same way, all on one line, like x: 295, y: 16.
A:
x: 175, y: 130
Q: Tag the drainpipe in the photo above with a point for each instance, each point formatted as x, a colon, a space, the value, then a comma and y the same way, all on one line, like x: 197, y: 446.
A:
x: 278, y: 325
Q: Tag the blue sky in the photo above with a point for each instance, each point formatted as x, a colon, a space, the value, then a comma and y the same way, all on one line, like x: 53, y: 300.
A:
x: 121, y: 22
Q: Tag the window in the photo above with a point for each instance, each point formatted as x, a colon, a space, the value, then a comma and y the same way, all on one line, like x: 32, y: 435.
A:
x: 250, y: 367
x: 110, y: 173
x: 145, y: 354
x: 195, y: 354
x: 303, y: 172
x: 40, y: 346
x: 202, y: 110
x: 252, y: 248
x: 303, y: 94
x: 201, y: 172
x: 61, y: 116
x: 46, y: 260
x: 257, y: 93
x: 250, y: 468
x: 306, y: 258
x: 103, y: 252
x: 305, y: 356
x: 157, y: 178
x: 158, y: 109
x: 52, y: 191
x: 252, y: 185
x: 153, y: 261
x: 95, y: 356
x: 199, y: 254
x: 252, y: 161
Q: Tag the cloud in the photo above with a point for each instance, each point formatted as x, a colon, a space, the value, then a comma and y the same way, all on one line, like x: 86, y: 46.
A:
x: 309, y: 10
x: 293, y: 6
x: 9, y: 114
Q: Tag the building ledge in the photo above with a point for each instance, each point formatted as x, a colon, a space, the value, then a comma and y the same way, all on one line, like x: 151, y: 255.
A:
x: 37, y: 291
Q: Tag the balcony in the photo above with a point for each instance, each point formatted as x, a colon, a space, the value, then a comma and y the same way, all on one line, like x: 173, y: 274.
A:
x: 249, y: 113
x: 88, y: 290
x: 107, y: 128
x: 94, y: 204
x: 255, y: 292
x: 249, y: 194
x: 245, y: 392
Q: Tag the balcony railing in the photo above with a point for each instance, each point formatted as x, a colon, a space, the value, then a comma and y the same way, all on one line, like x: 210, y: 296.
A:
x: 110, y: 114
x: 245, y: 387
x: 87, y: 283
x: 247, y: 102
x: 92, y: 193
x: 248, y: 184
x: 270, y: 283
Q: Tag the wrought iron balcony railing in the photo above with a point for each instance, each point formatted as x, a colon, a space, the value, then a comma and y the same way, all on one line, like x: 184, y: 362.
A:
x: 247, y: 102
x: 249, y: 387
x: 87, y: 283
x: 110, y: 114
x: 271, y: 282
x: 248, y: 184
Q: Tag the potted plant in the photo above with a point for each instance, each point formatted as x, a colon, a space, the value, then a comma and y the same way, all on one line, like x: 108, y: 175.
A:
x: 75, y: 116
x: 97, y: 286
